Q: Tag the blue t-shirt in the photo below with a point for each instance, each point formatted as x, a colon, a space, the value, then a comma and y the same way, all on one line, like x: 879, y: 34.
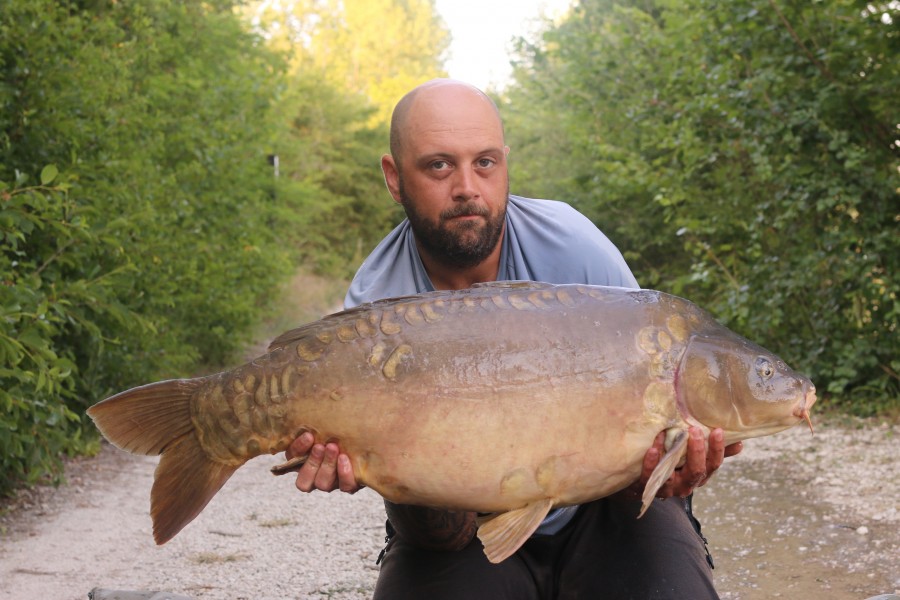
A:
x: 545, y: 240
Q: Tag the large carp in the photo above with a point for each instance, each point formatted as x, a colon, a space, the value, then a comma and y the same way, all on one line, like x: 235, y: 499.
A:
x: 506, y: 398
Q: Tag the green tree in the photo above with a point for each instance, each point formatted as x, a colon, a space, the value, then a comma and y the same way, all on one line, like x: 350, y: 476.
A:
x: 329, y: 176
x: 741, y: 154
x: 382, y: 49
x: 379, y: 49
x: 350, y: 62
x: 152, y: 241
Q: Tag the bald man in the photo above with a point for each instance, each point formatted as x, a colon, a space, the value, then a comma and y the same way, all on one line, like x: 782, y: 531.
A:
x: 448, y: 169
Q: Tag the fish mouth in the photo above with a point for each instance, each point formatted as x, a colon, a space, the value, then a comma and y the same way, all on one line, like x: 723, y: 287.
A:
x: 801, y: 411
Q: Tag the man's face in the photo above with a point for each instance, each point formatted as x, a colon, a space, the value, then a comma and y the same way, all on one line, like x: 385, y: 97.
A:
x: 452, y: 179
x: 463, y: 235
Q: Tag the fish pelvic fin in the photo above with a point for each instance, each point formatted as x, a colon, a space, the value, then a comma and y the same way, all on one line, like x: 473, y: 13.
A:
x: 670, y: 461
x: 504, y: 533
x: 146, y: 419
x: 186, y: 479
x: 156, y: 419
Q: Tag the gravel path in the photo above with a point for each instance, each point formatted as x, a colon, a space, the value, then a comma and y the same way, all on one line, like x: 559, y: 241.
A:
x: 808, y: 517
x: 794, y: 516
x: 258, y: 538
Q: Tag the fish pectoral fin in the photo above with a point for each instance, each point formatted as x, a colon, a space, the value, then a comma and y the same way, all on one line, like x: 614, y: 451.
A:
x: 504, y: 533
x: 664, y: 469
x: 293, y: 464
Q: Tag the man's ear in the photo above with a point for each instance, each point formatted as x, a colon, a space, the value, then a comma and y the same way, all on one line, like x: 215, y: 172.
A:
x: 391, y: 176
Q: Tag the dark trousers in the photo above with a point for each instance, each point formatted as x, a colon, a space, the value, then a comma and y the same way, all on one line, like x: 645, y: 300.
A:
x: 604, y: 552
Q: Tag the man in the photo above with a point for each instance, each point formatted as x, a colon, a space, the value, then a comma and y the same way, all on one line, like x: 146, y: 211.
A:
x: 448, y: 169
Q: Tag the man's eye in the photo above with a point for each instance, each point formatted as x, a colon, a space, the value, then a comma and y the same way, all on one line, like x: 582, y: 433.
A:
x: 485, y: 162
x: 439, y: 165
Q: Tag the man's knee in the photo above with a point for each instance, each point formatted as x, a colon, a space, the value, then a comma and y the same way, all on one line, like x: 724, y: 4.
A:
x: 410, y: 572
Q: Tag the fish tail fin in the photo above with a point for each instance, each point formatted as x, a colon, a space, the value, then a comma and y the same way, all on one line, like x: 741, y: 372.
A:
x: 146, y: 419
x: 185, y: 481
x: 156, y: 419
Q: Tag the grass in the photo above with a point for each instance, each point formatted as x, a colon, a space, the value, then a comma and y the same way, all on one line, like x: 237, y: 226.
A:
x: 277, y: 523
x: 211, y: 558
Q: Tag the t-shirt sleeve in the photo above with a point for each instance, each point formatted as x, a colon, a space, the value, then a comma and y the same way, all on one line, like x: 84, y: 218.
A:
x: 551, y: 241
x: 392, y: 269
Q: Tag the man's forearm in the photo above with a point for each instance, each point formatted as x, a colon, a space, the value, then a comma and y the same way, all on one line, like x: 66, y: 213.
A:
x: 431, y: 528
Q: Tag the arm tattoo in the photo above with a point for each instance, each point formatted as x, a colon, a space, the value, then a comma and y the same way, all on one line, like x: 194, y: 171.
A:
x: 432, y: 528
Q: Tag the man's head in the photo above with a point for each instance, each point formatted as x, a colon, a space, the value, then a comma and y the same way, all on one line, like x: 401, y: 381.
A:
x: 447, y: 168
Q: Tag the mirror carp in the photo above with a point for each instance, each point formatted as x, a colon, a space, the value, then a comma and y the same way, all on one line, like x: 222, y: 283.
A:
x: 508, y: 398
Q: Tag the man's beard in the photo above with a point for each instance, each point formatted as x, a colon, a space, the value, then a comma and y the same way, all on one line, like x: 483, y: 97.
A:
x: 463, y: 244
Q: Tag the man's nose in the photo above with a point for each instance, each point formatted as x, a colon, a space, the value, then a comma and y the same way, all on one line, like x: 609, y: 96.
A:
x: 465, y: 185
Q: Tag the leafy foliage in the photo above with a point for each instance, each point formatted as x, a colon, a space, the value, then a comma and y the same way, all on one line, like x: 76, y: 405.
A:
x: 376, y: 50
x: 37, y: 227
x: 350, y: 61
x: 327, y: 146
x: 143, y: 231
x: 742, y: 154
x: 156, y: 244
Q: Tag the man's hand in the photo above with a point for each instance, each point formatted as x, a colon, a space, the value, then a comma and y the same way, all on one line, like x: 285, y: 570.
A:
x: 326, y: 469
x: 699, y: 466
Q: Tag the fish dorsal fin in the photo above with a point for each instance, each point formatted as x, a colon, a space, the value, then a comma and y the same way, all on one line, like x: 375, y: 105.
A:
x: 664, y: 469
x: 293, y: 335
x: 513, y: 285
x: 505, y: 533
x: 310, y: 329
x: 334, y: 320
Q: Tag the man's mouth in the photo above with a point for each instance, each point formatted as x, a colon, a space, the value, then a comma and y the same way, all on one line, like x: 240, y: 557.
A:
x: 468, y: 214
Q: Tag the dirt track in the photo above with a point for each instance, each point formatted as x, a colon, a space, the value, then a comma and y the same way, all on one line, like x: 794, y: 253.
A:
x: 794, y: 516
x: 808, y: 517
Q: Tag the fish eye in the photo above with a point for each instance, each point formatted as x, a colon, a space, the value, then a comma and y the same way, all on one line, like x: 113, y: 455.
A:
x: 764, y: 368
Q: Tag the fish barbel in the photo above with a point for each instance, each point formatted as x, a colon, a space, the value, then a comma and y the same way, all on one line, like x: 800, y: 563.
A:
x: 508, y: 398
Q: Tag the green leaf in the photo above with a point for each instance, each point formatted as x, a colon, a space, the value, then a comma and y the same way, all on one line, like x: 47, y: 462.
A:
x: 48, y: 174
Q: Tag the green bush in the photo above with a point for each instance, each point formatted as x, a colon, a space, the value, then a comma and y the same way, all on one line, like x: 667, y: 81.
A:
x: 742, y: 154
x: 144, y: 233
x: 140, y: 233
x: 60, y: 280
